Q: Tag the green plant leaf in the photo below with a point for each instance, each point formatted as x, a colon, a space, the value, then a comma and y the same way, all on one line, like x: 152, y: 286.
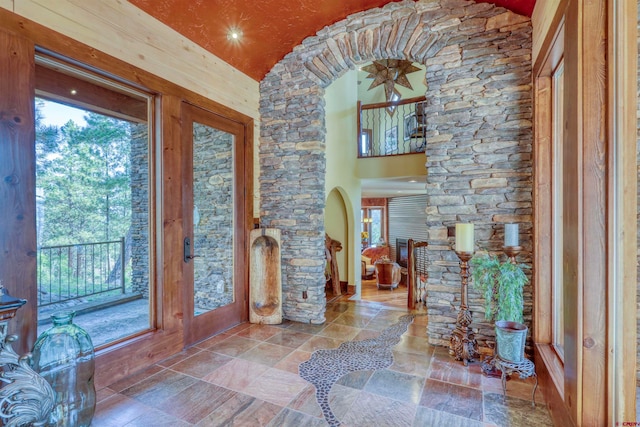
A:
x: 501, y: 285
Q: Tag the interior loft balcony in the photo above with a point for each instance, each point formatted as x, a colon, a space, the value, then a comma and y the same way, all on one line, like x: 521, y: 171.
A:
x: 392, y: 128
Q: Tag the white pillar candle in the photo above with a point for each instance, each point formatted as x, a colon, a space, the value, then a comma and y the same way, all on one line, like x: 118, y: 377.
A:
x: 464, y: 237
x: 511, y: 237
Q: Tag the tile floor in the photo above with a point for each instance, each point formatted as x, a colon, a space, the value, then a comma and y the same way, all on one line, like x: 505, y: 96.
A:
x: 248, y: 376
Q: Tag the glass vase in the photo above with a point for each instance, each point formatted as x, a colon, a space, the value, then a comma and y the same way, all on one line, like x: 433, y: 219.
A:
x: 64, y: 356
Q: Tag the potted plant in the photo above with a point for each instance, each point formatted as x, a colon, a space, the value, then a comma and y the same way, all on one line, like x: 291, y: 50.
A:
x: 501, y: 284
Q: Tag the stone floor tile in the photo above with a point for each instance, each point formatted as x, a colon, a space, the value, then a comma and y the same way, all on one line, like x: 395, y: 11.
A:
x: 201, y: 364
x: 276, y: 386
x: 373, y: 410
x: 234, y: 346
x: 287, y: 338
x: 432, y: 417
x: 396, y: 385
x: 241, y: 410
x: 266, y: 353
x: 451, y: 398
x: 259, y: 332
x: 511, y: 411
x: 237, y: 374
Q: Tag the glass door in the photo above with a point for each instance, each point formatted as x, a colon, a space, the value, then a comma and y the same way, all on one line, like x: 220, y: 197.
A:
x: 214, y: 244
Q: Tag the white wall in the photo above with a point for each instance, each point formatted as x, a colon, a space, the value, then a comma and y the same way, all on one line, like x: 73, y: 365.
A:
x: 341, y: 154
x: 336, y: 226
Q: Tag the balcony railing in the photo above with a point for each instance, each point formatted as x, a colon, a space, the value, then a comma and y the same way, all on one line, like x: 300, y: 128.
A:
x: 71, y: 272
x: 392, y: 128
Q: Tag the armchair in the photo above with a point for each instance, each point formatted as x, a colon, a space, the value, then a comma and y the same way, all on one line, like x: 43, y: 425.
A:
x: 367, y: 267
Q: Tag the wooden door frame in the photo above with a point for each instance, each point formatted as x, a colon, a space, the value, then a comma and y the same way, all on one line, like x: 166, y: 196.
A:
x: 232, y: 314
x: 166, y: 337
x: 596, y: 384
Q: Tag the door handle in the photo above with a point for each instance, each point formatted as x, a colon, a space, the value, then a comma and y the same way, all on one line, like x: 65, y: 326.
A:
x: 187, y: 250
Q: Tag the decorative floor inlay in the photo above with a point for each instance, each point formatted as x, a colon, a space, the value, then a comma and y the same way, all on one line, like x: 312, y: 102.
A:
x: 326, y: 367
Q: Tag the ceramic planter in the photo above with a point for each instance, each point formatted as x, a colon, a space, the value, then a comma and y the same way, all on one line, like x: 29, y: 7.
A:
x: 510, y: 340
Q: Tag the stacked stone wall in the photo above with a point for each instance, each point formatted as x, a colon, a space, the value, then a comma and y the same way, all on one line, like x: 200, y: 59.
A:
x: 138, y: 240
x: 213, y: 223
x: 478, y: 74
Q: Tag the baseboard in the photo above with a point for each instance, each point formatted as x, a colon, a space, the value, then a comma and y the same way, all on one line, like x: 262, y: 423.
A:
x: 351, y: 289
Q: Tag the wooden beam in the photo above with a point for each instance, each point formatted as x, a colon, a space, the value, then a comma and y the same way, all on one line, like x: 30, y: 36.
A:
x: 622, y: 60
x: 592, y: 56
x: 542, y: 212
x: 17, y: 183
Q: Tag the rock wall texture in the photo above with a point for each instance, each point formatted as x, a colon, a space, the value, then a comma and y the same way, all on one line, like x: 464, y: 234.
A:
x: 478, y: 75
x: 139, y: 210
x: 213, y: 233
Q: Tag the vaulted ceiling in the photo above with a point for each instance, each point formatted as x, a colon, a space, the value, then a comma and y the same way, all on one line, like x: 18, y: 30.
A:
x: 268, y: 29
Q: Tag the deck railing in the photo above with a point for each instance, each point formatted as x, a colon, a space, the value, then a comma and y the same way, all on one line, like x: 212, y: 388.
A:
x: 69, y: 272
x: 392, y: 128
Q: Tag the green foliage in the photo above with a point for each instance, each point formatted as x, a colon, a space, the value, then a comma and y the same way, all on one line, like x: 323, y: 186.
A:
x: 83, y: 180
x: 501, y: 285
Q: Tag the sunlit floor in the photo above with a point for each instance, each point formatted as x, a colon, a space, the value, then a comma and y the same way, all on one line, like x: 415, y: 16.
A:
x: 392, y: 298
x: 248, y: 376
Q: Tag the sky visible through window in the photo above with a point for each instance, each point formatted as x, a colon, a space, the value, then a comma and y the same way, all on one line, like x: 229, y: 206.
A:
x: 58, y: 114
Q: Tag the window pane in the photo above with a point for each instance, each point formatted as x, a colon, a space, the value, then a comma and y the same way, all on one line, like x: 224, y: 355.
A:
x: 376, y: 226
x: 92, y: 195
x: 213, y: 190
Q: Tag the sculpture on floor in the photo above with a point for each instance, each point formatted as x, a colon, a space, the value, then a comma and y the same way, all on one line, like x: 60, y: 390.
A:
x: 331, y: 248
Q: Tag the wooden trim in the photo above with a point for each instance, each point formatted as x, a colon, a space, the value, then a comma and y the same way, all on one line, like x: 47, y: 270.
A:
x: 53, y: 41
x: 55, y: 85
x: 555, y: 22
x: 248, y: 208
x: 166, y: 337
x: 549, y: 365
x: 542, y: 213
x: 573, y: 225
x: 17, y: 184
x: 622, y: 159
x: 215, y: 321
x: 551, y: 379
x: 593, y: 316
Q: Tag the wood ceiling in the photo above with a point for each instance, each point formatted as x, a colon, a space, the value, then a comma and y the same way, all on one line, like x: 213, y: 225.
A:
x: 270, y: 28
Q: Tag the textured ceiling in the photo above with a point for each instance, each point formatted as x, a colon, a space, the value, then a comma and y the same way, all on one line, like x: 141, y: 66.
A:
x: 270, y: 28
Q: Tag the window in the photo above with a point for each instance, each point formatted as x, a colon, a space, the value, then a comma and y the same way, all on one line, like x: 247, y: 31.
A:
x: 395, y: 97
x: 93, y: 198
x: 366, y: 138
x: 557, y: 91
x: 373, y: 231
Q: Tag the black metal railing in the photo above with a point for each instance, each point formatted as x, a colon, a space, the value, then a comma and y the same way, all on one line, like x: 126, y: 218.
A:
x: 392, y: 128
x: 70, y: 272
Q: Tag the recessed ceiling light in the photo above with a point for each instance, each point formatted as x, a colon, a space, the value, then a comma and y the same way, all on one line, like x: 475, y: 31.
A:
x: 73, y: 91
x: 234, y: 34
x: 412, y: 180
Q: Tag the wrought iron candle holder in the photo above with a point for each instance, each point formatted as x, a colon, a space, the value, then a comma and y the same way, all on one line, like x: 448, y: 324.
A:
x: 25, y: 397
x: 463, y: 345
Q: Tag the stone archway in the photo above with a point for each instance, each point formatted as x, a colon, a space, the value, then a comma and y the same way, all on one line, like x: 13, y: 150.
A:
x: 478, y: 60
